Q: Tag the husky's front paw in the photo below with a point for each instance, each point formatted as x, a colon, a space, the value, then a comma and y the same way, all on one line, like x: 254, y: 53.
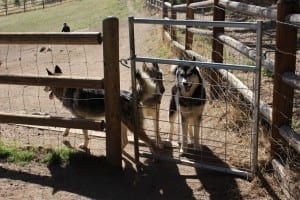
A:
x: 66, y: 133
x: 83, y: 146
x: 182, y: 151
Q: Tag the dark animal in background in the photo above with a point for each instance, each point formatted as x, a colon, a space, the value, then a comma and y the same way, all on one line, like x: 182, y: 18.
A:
x: 66, y: 28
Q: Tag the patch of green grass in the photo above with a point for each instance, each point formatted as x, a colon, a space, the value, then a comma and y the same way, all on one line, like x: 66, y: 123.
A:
x: 267, y: 73
x: 58, y: 157
x: 163, y: 51
x: 137, y: 4
x: 15, y: 154
x: 79, y: 14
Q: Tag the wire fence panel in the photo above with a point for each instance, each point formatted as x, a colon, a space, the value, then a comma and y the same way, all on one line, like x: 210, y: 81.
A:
x: 22, y: 60
x: 229, y: 125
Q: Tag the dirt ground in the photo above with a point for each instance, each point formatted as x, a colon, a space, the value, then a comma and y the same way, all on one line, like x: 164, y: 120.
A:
x: 90, y: 177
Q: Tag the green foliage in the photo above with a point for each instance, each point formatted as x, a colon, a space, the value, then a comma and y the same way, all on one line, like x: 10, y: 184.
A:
x: 58, y: 157
x: 137, y: 4
x: 18, y: 155
x: 15, y: 155
x: 267, y: 73
x: 78, y: 14
x: 4, y: 152
x: 164, y: 51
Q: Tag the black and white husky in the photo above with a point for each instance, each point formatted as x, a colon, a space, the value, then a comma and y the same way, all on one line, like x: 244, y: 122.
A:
x: 188, y: 97
x: 89, y: 104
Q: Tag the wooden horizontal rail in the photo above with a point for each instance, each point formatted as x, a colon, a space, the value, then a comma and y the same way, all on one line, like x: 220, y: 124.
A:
x: 292, y: 80
x: 195, y: 30
x: 168, y: 4
x: 51, y: 121
x: 286, y: 183
x: 200, y: 31
x: 182, y: 7
x: 201, y: 4
x: 294, y: 19
x: 55, y: 81
x: 72, y: 38
x: 291, y: 137
x: 245, y: 50
x: 270, y: 13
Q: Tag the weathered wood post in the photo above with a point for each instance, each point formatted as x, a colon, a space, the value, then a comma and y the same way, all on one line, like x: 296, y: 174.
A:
x: 217, y: 48
x: 285, y: 61
x: 164, y: 15
x: 164, y: 9
x: 6, y: 8
x: 189, y: 35
x: 112, y: 91
x: 173, y: 16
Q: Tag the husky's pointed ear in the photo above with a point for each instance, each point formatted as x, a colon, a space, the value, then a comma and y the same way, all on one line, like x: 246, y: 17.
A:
x: 144, y: 67
x: 173, y: 69
x: 57, y: 70
x: 155, y: 66
x: 138, y: 75
x: 48, y: 71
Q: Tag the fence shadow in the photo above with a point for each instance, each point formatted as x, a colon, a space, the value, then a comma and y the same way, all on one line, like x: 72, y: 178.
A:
x: 92, y: 177
x: 218, y: 185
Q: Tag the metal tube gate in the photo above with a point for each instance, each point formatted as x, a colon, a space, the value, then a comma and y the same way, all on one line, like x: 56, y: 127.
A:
x: 251, y: 148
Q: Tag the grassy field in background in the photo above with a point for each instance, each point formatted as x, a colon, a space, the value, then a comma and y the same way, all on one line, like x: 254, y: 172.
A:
x: 79, y: 14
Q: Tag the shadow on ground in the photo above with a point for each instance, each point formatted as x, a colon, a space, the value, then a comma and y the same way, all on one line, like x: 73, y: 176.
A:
x: 93, y: 177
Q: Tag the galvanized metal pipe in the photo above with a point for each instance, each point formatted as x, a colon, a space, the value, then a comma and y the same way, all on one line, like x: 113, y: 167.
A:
x: 196, y: 63
x: 251, y: 25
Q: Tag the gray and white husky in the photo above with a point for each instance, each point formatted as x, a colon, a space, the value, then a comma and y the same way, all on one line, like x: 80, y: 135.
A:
x: 188, y: 97
x: 89, y: 104
x: 151, y: 105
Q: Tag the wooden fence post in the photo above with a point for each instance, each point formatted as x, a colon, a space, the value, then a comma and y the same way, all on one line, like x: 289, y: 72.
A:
x: 6, y: 8
x: 285, y: 61
x: 189, y: 35
x: 217, y: 49
x: 112, y: 91
x: 173, y: 16
x: 164, y: 15
x: 164, y: 10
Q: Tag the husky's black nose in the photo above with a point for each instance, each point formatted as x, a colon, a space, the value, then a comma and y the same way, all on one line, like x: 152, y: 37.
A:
x: 162, y: 90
